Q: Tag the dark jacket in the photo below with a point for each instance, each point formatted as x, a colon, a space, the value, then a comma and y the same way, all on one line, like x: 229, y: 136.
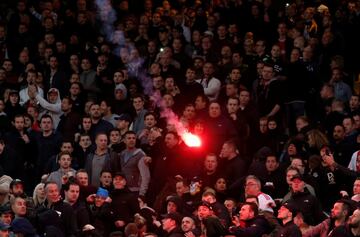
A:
x: 253, y: 228
x: 124, y: 205
x: 309, y: 206
x: 289, y: 230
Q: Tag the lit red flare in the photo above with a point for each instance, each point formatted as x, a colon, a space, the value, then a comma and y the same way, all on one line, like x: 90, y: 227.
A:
x: 191, y: 140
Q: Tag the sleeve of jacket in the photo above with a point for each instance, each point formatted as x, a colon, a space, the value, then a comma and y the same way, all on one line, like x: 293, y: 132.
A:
x: 56, y: 108
x: 316, y: 230
x: 145, y: 176
x: 258, y: 228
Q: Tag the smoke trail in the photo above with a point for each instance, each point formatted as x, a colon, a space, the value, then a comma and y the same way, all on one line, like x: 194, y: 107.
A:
x: 107, y: 16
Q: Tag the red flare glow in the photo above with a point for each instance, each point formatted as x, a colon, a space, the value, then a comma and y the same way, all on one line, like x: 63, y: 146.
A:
x: 191, y: 140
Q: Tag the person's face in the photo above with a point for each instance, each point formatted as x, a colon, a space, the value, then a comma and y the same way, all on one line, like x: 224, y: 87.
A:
x: 138, y: 104
x: 214, y: 110
x: 150, y: 121
x: 189, y: 112
x: 122, y: 124
x: 348, y: 125
x: 99, y: 201
x: 65, y: 105
x: 337, y: 211
x: 190, y: 75
x: 17, y: 189
x: 2, y: 75
x: 53, y: 63
x: 130, y: 141
x: 338, y: 133
x: 31, y: 77
x: 336, y: 75
x: 295, y: 55
x: 231, y: 90
x: 40, y: 192
x: 82, y: 178
x: 14, y: 98
x: 53, y: 97
x: 283, y: 213
x: 200, y: 103
x: 72, y: 195
x: 263, y: 125
x: 8, y: 66
x: 232, y: 106
x: 170, y: 140
x: 46, y: 124
x: 354, y: 220
x: 85, y: 64
x: 210, y: 163
x: 203, y: 212
x: 187, y: 224
x: 119, y: 182
x: 19, y: 123
x: 267, y: 73
x: 19, y: 207
x: 251, y: 187
x: 74, y: 60
x: 354, y: 102
x: 86, y: 124
x: 180, y: 188
x: 6, y: 218
x: 114, y: 137
x: 158, y: 82
x: 246, y: 213
x: 289, y: 175
x: 300, y: 123
x: 271, y: 163
x: 101, y: 141
x: 85, y: 141
x: 297, y: 185
x: 226, y: 151
x: 52, y: 193
x: 75, y: 78
x: 298, y: 163
x: 65, y: 161
x: 272, y: 125
x: 220, y: 185
x: 171, y: 207
x: 208, y: 69
x: 118, y: 78
x: 244, y: 97
x: 356, y: 187
x: 106, y: 179
x: 167, y: 224
x: 168, y: 101
x: 95, y: 111
x: 226, y: 52
x: 275, y: 51
x: 103, y: 108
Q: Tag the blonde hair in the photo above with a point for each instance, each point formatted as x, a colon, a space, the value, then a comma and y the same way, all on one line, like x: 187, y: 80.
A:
x: 317, y: 139
x: 37, y: 200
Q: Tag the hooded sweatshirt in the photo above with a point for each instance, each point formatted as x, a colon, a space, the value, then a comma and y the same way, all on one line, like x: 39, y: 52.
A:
x: 53, y: 109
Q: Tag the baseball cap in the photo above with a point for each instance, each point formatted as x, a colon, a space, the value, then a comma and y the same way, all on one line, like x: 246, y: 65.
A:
x: 163, y: 29
x: 125, y: 117
x: 23, y: 225
x: 297, y: 176
x: 174, y: 216
x: 15, y: 182
x: 291, y: 207
x: 5, y: 209
x: 101, y: 192
x: 119, y: 174
x: 13, y: 92
x: 205, y: 204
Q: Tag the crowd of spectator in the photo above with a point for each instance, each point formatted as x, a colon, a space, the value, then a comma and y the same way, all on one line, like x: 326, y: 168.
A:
x: 98, y: 100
